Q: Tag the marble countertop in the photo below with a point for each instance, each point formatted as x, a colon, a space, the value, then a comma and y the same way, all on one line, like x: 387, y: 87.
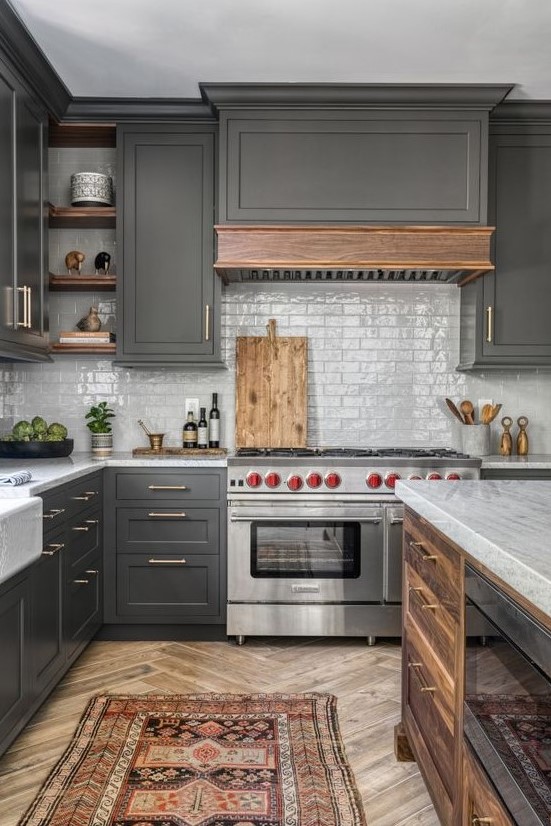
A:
x: 505, y: 525
x: 536, y: 461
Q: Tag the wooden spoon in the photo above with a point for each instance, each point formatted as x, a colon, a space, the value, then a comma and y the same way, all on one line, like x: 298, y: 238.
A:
x: 455, y: 411
x: 486, y: 413
x: 495, y: 410
x: 467, y: 408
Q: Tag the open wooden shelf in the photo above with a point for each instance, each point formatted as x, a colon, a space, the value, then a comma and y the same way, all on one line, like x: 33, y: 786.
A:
x: 82, y: 283
x: 82, y: 135
x: 62, y: 217
x: 84, y: 349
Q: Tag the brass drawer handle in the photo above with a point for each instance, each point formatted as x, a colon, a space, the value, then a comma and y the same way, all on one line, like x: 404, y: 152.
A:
x: 475, y: 819
x: 81, y: 528
x: 161, y: 515
x: 489, y: 324
x: 92, y: 572
x: 424, y: 605
x: 167, y: 561
x: 207, y: 322
x: 82, y: 498
x: 53, y: 513
x: 429, y: 606
x: 91, y: 521
x: 167, y: 487
x: 91, y: 492
x: 415, y: 665
x: 418, y: 546
x: 29, y: 308
x: 428, y: 688
x: 81, y: 581
x: 55, y: 546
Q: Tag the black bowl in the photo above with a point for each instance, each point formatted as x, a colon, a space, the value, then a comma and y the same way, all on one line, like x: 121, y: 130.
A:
x: 36, y: 450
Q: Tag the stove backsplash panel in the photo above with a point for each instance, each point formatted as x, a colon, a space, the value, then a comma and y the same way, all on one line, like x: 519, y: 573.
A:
x: 381, y: 360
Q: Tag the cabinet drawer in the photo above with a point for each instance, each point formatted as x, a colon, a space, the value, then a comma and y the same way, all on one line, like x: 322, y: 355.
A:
x: 428, y: 695
x: 168, y: 530
x: 168, y: 587
x: 438, y: 564
x: 435, y: 623
x: 83, y: 534
x: 168, y: 485
x: 480, y: 799
x: 69, y: 501
x: 82, y: 609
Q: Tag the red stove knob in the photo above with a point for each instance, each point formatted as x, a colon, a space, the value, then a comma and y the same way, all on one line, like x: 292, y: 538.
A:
x: 374, y: 480
x: 332, y: 480
x: 294, y: 482
x: 314, y: 480
x: 433, y: 476
x: 391, y: 479
x: 254, y: 479
x: 273, y: 479
x: 453, y: 476
x: 414, y: 476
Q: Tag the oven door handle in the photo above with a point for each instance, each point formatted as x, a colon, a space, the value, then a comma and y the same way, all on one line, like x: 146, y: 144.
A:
x: 370, y: 520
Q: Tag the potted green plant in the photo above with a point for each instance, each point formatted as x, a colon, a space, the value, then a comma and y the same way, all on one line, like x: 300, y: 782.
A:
x: 100, y: 428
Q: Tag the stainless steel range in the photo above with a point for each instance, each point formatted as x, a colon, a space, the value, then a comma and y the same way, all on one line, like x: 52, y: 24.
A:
x: 315, y: 538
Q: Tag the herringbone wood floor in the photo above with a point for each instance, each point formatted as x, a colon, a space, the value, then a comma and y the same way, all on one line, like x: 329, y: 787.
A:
x: 365, y: 680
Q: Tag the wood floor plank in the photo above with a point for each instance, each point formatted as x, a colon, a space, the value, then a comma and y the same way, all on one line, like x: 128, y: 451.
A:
x: 366, y: 681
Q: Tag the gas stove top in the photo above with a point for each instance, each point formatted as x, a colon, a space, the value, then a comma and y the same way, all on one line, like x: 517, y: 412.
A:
x: 340, y: 471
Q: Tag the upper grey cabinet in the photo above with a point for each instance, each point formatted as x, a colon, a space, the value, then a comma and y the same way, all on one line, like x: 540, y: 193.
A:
x: 353, y: 153
x: 170, y: 308
x: 505, y: 315
x: 23, y: 134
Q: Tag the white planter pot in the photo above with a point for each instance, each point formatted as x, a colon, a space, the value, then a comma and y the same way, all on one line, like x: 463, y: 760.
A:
x: 102, y: 444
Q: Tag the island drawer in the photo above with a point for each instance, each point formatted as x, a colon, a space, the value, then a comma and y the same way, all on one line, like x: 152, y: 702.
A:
x: 168, y: 529
x: 481, y: 801
x: 435, y: 623
x: 168, y: 485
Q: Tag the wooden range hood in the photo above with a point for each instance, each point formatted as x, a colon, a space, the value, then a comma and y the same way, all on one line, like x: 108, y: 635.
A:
x: 365, y: 253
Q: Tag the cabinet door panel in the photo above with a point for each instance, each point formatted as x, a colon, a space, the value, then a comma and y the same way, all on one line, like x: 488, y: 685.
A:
x: 48, y: 654
x: 167, y: 224
x: 162, y: 529
x: 14, y: 651
x: 168, y: 485
x: 82, y: 610
x: 7, y: 248
x: 168, y: 592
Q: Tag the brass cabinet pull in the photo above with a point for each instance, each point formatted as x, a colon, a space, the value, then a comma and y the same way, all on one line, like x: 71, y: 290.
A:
x: 167, y: 561
x: 475, y: 819
x: 167, y: 487
x: 53, y: 513
x: 424, y: 605
x: 82, y: 498
x: 429, y: 606
x: 415, y: 665
x: 418, y: 546
x: 55, y: 546
x: 29, y: 310
x: 91, y: 492
x: 428, y: 688
x: 489, y: 324
x: 92, y: 572
x: 81, y: 581
x: 161, y: 515
x: 81, y: 528
x: 91, y: 521
x: 207, y: 322
x: 25, y: 322
x: 397, y: 520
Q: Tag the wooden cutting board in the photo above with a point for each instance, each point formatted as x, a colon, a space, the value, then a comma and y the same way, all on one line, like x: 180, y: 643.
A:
x: 271, y: 392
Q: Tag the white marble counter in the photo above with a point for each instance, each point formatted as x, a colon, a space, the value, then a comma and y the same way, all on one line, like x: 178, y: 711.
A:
x: 537, y: 461
x: 48, y: 473
x: 505, y: 525
x: 20, y: 535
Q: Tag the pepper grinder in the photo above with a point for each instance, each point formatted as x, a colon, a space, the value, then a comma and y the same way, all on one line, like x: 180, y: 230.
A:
x: 522, y: 438
x: 506, y: 443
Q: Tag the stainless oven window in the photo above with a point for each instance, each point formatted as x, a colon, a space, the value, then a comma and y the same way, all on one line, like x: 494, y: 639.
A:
x: 305, y: 549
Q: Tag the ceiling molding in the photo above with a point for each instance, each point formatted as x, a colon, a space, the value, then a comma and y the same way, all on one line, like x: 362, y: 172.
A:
x: 520, y: 114
x: 122, y: 110
x: 29, y: 61
x: 459, y: 96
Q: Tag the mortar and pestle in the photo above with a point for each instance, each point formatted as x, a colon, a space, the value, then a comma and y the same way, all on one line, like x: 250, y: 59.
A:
x: 155, y: 439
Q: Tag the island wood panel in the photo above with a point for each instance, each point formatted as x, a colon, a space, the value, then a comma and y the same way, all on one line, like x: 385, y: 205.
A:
x: 481, y: 802
x: 271, y: 391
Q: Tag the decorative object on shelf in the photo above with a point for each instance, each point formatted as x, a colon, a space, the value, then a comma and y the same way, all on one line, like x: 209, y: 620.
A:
x: 73, y: 261
x: 90, y: 323
x: 102, y: 262
x: 85, y: 337
x: 467, y: 409
x: 476, y: 440
x: 100, y: 429
x: 522, y: 437
x: 36, y: 440
x: 506, y: 443
x: 91, y: 189
x: 155, y: 439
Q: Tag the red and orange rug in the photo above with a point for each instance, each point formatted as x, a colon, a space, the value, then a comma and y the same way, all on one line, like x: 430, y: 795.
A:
x: 189, y: 760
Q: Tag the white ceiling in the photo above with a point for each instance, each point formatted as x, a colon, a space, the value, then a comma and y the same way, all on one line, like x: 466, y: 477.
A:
x: 163, y: 48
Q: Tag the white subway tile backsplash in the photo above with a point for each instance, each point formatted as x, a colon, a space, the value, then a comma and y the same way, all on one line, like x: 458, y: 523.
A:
x: 381, y: 360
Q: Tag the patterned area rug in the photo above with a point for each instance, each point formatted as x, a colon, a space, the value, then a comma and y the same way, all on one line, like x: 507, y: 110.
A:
x: 189, y: 760
x: 519, y: 728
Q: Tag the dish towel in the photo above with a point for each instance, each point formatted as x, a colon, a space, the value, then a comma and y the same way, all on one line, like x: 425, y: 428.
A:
x: 20, y: 477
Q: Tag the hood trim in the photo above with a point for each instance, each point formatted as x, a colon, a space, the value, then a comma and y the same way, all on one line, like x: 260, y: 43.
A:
x: 456, y: 254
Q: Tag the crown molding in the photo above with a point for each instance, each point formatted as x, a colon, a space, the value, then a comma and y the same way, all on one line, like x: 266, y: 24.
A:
x: 123, y: 110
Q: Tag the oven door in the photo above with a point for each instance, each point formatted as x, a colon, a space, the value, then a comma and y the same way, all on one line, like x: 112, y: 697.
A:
x: 305, y: 552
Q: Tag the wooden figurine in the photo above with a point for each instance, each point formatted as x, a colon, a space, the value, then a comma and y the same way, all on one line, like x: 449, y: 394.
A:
x: 522, y: 437
x: 73, y: 261
x: 102, y: 262
x: 90, y: 323
x: 506, y: 443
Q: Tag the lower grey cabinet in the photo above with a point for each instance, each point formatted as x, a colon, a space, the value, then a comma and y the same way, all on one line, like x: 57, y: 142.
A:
x: 515, y: 473
x: 15, y: 654
x: 82, y: 605
x: 505, y: 315
x: 165, y: 545
x: 47, y: 578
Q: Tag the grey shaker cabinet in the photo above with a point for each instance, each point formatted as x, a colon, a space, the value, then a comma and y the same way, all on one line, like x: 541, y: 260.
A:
x: 170, y: 308
x: 505, y: 315
x: 15, y: 654
x: 23, y: 134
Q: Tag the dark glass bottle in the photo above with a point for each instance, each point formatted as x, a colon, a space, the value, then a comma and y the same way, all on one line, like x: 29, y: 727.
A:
x: 190, y: 431
x: 202, y: 429
x: 214, y: 423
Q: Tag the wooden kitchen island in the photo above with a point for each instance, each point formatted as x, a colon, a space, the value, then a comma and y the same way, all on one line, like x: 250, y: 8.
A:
x: 502, y: 530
